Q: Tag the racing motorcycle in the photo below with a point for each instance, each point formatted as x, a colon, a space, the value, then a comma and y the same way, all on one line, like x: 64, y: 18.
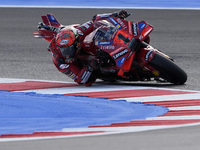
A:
x: 123, y: 50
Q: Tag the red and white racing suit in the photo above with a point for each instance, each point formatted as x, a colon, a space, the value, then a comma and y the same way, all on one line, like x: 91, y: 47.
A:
x: 81, y: 75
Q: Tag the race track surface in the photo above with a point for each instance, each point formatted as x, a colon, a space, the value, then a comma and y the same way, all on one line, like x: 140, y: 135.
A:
x: 176, y: 33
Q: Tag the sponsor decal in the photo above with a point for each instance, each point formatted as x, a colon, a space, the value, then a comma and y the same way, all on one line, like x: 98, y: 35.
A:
x: 156, y: 73
x: 107, y: 47
x: 80, y: 32
x: 83, y: 28
x: 148, y: 55
x: 119, y: 54
x: 135, y: 29
x: 115, y: 23
x: 121, y: 23
x: 85, y: 76
x: 90, y: 22
x: 72, y: 75
x: 67, y: 71
x: 141, y: 26
x: 121, y: 61
x: 103, y: 15
x: 64, y: 66
x: 63, y: 42
x: 86, y: 25
x: 104, y: 43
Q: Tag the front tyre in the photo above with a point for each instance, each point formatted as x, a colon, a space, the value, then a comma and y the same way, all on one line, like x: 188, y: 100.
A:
x: 168, y: 69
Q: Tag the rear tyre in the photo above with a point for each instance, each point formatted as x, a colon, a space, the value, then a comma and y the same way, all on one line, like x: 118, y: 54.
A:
x: 168, y: 70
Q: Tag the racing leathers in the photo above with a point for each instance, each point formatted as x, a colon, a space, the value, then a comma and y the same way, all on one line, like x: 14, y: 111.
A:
x: 81, y: 74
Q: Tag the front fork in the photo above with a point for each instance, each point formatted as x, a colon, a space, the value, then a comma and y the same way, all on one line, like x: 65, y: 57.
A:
x: 145, y: 55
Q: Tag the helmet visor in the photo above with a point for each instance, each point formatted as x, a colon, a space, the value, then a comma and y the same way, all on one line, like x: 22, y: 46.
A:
x: 68, y: 52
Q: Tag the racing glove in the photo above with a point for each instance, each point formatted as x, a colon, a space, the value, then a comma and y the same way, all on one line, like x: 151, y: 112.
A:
x: 86, y: 76
x: 91, y: 80
x: 42, y: 26
x: 122, y: 14
x: 89, y: 76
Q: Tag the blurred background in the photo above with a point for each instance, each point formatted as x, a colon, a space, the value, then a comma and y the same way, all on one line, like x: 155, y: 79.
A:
x: 105, y: 3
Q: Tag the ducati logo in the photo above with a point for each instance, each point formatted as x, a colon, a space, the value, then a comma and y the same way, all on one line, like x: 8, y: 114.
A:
x: 63, y: 42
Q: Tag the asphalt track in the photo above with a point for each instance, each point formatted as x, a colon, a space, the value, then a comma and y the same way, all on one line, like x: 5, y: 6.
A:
x: 176, y: 33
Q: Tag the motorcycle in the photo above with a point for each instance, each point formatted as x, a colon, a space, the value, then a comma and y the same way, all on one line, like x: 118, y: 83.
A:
x: 123, y: 50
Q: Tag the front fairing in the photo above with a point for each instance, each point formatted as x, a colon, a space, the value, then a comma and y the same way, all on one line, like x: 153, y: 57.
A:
x: 110, y: 37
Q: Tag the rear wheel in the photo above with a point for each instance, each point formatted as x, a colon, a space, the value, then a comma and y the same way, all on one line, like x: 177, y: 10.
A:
x: 168, y: 69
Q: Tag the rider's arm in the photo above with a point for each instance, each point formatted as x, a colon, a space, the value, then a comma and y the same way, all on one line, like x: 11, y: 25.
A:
x: 120, y: 14
x: 80, y: 75
x: 86, y: 28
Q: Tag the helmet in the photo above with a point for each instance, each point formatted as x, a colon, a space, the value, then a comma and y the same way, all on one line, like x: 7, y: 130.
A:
x: 66, y: 40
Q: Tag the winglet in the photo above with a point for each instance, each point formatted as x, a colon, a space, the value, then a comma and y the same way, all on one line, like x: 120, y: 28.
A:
x: 50, y: 20
x: 126, y: 65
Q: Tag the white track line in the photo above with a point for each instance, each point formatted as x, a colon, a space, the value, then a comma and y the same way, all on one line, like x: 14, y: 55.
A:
x: 163, y: 98
x: 186, y: 117
x: 82, y: 89
x: 185, y: 108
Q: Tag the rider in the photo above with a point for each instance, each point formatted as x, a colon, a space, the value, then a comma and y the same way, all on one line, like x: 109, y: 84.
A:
x: 67, y: 45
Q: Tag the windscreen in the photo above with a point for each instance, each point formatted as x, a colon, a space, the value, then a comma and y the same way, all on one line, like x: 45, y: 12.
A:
x: 105, y: 30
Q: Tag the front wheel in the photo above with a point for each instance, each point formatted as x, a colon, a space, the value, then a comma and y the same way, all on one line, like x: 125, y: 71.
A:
x: 168, y: 69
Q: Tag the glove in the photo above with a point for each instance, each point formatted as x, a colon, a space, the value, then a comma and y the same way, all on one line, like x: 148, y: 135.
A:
x: 43, y: 26
x: 123, y: 14
x: 91, y: 80
x: 93, y: 66
x: 85, y: 77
